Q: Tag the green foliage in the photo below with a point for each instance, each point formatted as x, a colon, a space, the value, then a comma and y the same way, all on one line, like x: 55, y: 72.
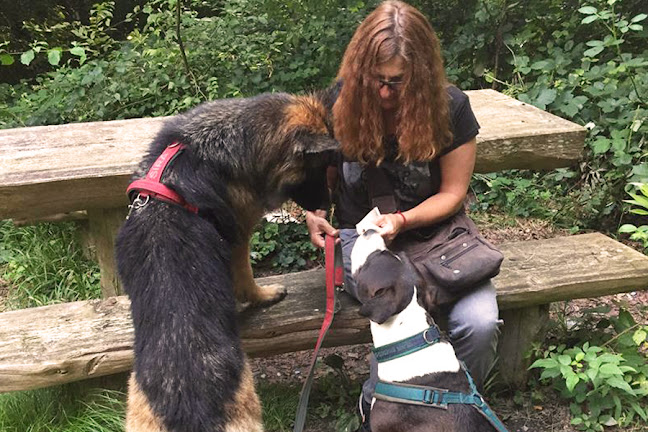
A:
x: 57, y: 410
x: 586, y: 61
x: 283, y: 245
x: 605, y: 381
x: 52, y: 40
x: 640, y: 200
x: 525, y: 193
x: 234, y: 48
x: 45, y: 264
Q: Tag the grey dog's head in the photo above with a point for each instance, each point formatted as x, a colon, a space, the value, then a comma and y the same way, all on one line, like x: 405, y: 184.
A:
x: 385, y: 281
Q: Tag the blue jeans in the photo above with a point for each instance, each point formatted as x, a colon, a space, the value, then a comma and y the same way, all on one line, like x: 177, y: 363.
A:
x: 473, y: 323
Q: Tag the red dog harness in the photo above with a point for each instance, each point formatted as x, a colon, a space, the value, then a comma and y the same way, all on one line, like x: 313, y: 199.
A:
x: 150, y: 186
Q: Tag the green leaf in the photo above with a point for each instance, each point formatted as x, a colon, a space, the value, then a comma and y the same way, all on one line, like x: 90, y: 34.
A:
x: 639, y: 410
x: 549, y: 373
x: 589, y: 19
x: 639, y: 212
x: 54, y: 56
x: 640, y: 200
x: 639, y: 336
x: 541, y: 65
x: 638, y: 18
x: 546, y: 97
x: 79, y: 52
x: 587, y: 10
x: 564, y: 359
x: 610, y: 369
x: 593, y: 51
x: 601, y: 145
x: 6, y: 59
x: 627, y: 228
x: 619, y: 383
x: 544, y: 363
x: 27, y: 57
x: 571, y: 382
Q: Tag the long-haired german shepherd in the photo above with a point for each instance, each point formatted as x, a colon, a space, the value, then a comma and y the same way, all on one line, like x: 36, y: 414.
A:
x: 182, y: 270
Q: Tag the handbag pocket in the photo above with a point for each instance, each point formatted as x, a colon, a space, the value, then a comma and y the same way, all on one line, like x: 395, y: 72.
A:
x: 463, y: 261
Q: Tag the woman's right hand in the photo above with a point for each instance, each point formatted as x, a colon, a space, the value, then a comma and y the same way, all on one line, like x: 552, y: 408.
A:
x: 318, y: 227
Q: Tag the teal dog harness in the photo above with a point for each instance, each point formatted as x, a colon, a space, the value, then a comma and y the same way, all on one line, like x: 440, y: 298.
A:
x: 423, y: 395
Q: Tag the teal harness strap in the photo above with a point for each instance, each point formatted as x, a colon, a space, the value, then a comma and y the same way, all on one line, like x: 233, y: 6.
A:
x: 437, y: 398
x: 407, y: 346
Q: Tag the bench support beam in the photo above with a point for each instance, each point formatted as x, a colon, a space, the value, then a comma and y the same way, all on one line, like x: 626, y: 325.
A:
x: 522, y: 327
x: 103, y: 225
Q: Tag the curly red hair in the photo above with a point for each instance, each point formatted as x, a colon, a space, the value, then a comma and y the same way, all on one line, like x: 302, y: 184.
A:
x: 393, y: 29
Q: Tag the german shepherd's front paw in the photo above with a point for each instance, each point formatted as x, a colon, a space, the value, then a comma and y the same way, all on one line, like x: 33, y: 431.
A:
x: 266, y: 295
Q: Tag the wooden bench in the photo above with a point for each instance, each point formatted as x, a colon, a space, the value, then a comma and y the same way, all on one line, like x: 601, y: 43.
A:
x: 58, y: 169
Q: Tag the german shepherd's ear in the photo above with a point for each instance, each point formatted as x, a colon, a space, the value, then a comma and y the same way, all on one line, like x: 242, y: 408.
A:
x: 306, y: 118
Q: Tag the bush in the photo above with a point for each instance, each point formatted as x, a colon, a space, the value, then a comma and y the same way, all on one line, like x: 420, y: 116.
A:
x: 606, y: 380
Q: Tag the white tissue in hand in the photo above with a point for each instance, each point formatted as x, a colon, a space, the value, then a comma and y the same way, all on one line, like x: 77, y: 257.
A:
x: 368, y: 222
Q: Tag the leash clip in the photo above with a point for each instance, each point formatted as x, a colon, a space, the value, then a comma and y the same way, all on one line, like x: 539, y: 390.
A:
x: 137, y: 204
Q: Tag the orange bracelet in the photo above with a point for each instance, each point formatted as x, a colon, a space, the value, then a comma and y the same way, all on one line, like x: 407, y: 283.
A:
x: 403, y: 216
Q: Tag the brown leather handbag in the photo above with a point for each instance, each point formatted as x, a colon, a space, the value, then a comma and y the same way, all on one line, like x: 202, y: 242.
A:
x: 452, y: 257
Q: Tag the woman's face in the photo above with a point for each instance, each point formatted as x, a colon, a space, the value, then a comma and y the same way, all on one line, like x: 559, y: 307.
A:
x: 389, y: 76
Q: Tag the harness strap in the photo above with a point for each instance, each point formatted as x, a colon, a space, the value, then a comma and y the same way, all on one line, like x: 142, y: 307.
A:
x: 151, y: 185
x: 437, y: 398
x: 407, y: 346
x: 334, y: 276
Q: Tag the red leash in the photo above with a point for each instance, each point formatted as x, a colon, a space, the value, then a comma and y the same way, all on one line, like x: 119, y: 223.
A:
x: 334, y: 277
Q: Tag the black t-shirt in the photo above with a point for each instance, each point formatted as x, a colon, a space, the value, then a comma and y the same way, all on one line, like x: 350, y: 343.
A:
x: 413, y: 183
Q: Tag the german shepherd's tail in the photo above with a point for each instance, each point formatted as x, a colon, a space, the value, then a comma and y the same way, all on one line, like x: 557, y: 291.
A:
x: 190, y: 374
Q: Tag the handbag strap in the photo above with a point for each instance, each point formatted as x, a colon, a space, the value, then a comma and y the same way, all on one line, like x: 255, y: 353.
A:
x: 381, y: 191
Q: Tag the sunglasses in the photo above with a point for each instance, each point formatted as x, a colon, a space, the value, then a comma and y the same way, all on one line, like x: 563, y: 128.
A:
x: 393, y: 84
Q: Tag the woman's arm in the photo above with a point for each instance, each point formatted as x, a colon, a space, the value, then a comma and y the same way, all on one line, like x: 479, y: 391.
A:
x: 456, y: 170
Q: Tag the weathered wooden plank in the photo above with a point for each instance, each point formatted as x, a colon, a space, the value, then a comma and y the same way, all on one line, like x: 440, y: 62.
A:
x: 73, y: 341
x: 56, y: 169
x: 63, y: 343
x: 562, y: 268
x: 515, y: 135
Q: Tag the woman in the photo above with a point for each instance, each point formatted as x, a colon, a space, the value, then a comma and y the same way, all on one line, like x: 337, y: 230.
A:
x: 396, y: 109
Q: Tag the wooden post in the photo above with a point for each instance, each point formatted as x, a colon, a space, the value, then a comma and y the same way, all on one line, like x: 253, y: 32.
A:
x: 521, y: 328
x: 104, y: 224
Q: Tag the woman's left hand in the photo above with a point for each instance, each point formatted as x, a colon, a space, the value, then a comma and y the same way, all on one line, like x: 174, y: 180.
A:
x: 390, y: 225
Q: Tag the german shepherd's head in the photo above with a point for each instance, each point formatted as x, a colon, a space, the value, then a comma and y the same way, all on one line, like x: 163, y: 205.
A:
x: 307, y: 123
x: 251, y: 154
